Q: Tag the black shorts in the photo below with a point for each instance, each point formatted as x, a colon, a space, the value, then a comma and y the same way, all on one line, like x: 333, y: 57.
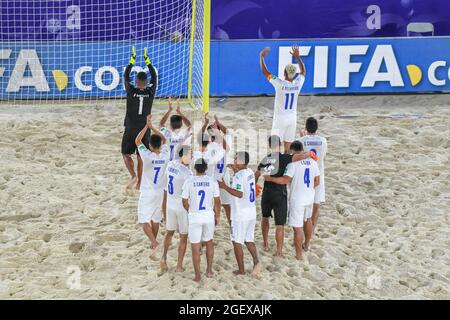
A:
x: 129, y: 137
x: 276, y: 201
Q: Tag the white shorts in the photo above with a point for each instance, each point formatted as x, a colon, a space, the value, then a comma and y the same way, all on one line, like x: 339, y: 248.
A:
x: 201, y: 231
x: 298, y: 215
x: 285, y: 127
x: 319, y: 195
x: 177, y: 220
x: 243, y: 231
x: 150, y: 207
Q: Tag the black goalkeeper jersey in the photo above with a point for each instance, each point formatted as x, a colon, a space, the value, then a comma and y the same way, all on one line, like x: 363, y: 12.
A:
x: 139, y: 102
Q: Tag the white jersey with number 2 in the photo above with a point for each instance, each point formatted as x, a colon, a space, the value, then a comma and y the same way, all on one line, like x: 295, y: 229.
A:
x: 286, y: 95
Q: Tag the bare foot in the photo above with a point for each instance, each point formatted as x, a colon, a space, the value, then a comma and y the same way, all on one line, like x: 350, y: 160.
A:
x: 209, y: 274
x: 256, y: 270
x: 198, y: 279
x: 279, y: 254
x: 179, y: 269
x: 132, y: 183
x: 238, y: 272
x: 305, y: 246
x: 163, y: 265
x: 299, y: 257
x: 266, y: 247
x: 154, y: 249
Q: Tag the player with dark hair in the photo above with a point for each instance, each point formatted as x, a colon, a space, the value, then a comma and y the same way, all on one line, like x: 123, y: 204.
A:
x: 318, y: 145
x: 274, y: 196
x: 243, y: 211
x: 201, y: 198
x: 139, y: 105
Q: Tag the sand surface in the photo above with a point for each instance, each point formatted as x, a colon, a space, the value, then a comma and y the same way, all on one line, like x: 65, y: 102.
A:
x: 384, y: 230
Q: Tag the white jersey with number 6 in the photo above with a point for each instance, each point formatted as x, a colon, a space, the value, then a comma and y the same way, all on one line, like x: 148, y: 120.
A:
x: 201, y: 191
x: 153, y: 168
x: 302, y: 185
x: 286, y: 95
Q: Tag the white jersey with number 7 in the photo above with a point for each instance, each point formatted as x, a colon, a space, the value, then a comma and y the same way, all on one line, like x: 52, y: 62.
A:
x: 286, y: 94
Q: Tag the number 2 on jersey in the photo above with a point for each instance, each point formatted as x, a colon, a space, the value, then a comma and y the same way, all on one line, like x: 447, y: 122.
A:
x: 201, y: 194
x: 288, y: 104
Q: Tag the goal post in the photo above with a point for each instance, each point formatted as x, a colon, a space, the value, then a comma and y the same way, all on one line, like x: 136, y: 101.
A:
x: 63, y: 52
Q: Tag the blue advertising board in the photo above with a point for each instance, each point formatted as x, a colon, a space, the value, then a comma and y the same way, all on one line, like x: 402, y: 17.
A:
x: 333, y: 66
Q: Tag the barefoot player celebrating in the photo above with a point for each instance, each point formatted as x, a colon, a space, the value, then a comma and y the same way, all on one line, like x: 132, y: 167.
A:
x: 286, y: 96
x: 139, y: 105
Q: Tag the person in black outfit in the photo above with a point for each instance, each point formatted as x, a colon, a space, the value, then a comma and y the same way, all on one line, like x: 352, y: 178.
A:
x: 139, y: 105
x: 274, y: 196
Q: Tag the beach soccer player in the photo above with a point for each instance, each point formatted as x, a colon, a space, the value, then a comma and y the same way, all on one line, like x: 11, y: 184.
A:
x: 201, y: 198
x: 316, y: 143
x: 155, y: 161
x: 175, y: 134
x: 303, y: 177
x: 176, y: 217
x: 243, y: 212
x: 139, y: 105
x: 284, y: 121
x: 274, y: 196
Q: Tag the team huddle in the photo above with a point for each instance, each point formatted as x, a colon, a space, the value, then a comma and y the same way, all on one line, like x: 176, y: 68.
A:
x: 185, y: 178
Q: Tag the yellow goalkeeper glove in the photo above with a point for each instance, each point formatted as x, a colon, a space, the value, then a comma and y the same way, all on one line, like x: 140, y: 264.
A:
x: 146, y: 57
x: 133, y: 55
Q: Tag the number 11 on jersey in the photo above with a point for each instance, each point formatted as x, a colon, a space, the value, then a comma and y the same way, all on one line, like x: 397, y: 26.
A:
x: 288, y: 104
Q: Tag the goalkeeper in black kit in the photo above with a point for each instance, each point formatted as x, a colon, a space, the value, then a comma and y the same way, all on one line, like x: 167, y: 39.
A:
x: 139, y: 105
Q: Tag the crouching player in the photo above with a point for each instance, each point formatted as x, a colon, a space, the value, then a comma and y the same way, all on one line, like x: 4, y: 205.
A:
x: 201, y: 198
x: 154, y: 164
x: 304, y: 177
x: 243, y: 212
x: 176, y: 217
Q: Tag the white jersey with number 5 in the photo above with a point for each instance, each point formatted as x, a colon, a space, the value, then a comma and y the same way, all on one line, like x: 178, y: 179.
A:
x: 201, y: 191
x: 244, y: 208
x: 286, y: 95
x: 302, y: 185
x: 153, y: 168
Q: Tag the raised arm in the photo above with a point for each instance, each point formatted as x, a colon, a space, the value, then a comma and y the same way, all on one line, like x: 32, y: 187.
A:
x: 126, y: 76
x: 186, y: 121
x: 141, y: 134
x: 151, y: 68
x: 205, y: 122
x: 166, y: 115
x: 155, y: 130
x: 301, y: 156
x: 296, y: 54
x: 262, y: 63
x: 219, y: 124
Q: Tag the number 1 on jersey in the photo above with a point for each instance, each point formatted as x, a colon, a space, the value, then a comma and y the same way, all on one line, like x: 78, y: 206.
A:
x: 141, y: 104
x: 288, y: 104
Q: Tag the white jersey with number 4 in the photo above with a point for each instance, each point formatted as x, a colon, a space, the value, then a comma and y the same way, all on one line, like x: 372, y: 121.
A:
x: 201, y: 191
x: 302, y: 185
x: 244, y: 208
x: 286, y: 95
x: 319, y: 146
x: 175, y: 176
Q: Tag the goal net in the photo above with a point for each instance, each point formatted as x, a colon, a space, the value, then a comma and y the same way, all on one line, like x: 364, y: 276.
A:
x: 68, y: 51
